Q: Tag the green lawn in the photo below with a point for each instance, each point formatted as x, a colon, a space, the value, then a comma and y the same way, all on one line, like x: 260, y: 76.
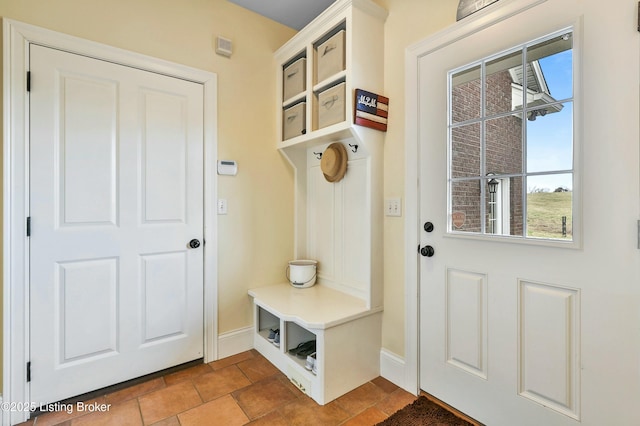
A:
x: 544, y: 214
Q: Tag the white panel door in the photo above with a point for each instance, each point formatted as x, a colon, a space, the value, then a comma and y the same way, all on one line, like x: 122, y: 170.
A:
x: 517, y: 333
x: 116, y: 196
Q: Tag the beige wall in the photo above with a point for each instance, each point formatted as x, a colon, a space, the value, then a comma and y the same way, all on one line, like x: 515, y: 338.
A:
x: 409, y: 21
x: 256, y: 236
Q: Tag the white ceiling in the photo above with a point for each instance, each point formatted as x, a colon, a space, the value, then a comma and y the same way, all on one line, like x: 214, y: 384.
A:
x: 292, y: 13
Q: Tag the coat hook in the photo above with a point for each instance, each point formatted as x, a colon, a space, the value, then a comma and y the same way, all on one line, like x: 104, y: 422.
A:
x: 318, y: 155
x: 354, y: 148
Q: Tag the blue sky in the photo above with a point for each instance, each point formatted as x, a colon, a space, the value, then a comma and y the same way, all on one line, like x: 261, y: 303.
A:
x: 550, y: 138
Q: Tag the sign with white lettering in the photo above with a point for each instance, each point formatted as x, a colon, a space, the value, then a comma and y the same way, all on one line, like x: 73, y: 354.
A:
x: 371, y: 110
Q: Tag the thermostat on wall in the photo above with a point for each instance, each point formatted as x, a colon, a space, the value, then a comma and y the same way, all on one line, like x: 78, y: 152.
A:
x: 227, y: 167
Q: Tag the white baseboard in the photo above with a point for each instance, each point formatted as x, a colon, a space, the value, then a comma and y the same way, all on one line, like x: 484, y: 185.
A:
x: 392, y: 368
x: 234, y: 342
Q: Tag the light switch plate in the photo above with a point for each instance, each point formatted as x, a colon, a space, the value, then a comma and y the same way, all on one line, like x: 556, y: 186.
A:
x: 222, y: 206
x: 393, y: 207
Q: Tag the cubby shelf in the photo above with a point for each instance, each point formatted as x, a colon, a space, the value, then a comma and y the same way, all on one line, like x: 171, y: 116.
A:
x: 337, y: 223
x: 362, y: 24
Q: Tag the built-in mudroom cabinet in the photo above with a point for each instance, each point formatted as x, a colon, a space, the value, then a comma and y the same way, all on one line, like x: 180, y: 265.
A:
x: 337, y: 223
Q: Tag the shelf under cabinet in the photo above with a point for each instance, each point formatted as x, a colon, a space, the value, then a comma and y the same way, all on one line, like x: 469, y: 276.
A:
x: 338, y: 131
x: 331, y: 81
x: 300, y: 97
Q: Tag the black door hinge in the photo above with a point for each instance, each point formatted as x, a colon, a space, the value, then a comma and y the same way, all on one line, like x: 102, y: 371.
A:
x: 28, y: 81
x: 28, y: 371
x: 29, y: 226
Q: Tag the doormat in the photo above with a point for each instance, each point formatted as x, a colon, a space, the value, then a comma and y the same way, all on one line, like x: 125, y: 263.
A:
x: 424, y: 412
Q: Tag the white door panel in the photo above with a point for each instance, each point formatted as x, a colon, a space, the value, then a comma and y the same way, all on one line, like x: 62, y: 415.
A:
x: 164, y: 296
x: 164, y: 151
x: 534, y: 334
x: 85, y: 298
x: 549, y: 340
x: 116, y: 179
x: 88, y: 180
x: 466, y: 321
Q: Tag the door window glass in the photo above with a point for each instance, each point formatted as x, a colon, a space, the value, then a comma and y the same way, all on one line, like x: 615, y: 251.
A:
x: 511, y: 148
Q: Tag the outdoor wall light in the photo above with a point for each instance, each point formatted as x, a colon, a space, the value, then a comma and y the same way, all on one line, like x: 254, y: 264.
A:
x: 493, y: 189
x: 493, y: 186
x: 537, y: 113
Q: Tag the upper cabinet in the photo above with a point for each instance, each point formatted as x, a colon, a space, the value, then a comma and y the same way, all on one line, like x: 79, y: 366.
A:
x: 319, y: 69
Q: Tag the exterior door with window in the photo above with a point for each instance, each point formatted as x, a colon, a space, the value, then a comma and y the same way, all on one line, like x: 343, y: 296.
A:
x: 529, y: 278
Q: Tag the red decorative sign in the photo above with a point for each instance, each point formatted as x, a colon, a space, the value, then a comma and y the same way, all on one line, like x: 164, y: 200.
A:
x: 371, y: 110
x: 458, y: 219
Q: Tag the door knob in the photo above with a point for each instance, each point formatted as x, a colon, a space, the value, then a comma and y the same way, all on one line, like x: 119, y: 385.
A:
x: 195, y: 243
x: 427, y: 251
x: 428, y: 226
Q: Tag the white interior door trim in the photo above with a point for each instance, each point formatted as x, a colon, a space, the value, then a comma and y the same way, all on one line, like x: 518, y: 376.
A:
x: 474, y: 23
x: 17, y: 37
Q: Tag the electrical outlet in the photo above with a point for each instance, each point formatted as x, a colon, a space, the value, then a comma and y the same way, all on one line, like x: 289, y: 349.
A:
x: 393, y: 207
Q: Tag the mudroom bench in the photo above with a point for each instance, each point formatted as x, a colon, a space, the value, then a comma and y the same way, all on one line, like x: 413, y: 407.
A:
x: 346, y: 332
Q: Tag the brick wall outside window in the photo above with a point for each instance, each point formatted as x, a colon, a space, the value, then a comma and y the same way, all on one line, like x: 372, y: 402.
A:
x: 503, y: 151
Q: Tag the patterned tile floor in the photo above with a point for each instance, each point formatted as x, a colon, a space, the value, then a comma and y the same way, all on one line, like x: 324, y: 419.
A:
x: 238, y: 390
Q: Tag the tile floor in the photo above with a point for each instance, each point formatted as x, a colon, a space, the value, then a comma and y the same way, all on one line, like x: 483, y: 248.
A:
x: 241, y: 389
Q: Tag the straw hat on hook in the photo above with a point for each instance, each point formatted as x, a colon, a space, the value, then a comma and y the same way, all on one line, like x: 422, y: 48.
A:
x: 334, y: 162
